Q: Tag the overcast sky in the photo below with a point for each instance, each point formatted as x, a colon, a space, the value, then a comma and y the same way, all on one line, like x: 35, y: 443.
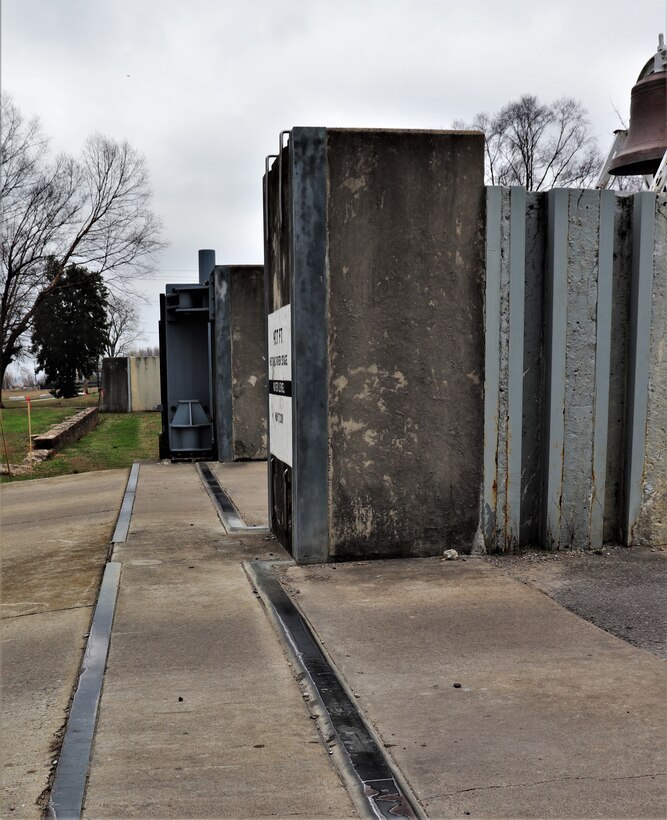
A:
x: 203, y: 87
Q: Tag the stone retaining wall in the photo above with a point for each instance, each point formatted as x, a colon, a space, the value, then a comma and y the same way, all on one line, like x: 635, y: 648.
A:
x: 68, y: 431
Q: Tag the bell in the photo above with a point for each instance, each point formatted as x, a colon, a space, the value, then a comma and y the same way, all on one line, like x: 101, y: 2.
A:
x: 646, y: 142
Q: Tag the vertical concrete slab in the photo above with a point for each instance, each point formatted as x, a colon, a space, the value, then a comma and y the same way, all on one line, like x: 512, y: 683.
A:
x: 603, y: 322
x: 503, y: 395
x: 239, y: 356
x: 504, y: 401
x: 555, y: 360
x: 374, y: 242
x: 248, y: 344
x: 144, y: 374
x: 650, y: 525
x: 580, y: 357
x: 309, y: 283
x: 491, y: 363
x: 222, y: 362
x: 515, y: 364
x: 643, y: 226
x: 115, y: 385
x: 406, y: 355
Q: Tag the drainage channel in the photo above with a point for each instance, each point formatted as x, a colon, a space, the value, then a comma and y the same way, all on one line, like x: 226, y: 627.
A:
x: 224, y: 505
x: 376, y: 787
x: 69, y: 784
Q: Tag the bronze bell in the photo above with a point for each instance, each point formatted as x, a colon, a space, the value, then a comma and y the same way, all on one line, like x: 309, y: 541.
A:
x: 646, y: 142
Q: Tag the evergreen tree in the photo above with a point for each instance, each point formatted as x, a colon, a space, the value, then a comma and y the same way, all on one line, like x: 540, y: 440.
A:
x: 70, y: 328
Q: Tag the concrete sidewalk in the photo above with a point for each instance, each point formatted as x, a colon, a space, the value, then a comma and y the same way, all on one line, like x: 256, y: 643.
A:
x: 492, y: 700
x: 200, y: 714
x: 55, y: 540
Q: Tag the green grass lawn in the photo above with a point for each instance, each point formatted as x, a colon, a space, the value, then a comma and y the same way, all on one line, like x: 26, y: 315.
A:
x: 43, y: 416
x: 118, y: 440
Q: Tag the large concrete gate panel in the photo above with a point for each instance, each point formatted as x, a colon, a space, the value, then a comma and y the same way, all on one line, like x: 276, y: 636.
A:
x: 375, y: 241
x: 405, y: 343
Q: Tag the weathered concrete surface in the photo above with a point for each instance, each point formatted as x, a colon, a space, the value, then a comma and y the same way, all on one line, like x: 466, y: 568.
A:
x: 248, y: 343
x: 68, y: 431
x: 651, y: 527
x: 55, y: 535
x: 552, y: 716
x: 239, y: 350
x: 116, y: 385
x: 578, y: 372
x: 144, y: 383
x: 245, y: 482
x: 406, y: 361
x: 580, y: 359
x: 200, y: 715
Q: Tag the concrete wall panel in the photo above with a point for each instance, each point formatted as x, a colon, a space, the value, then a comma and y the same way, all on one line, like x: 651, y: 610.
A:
x: 651, y: 525
x: 248, y: 342
x: 144, y: 382
x: 116, y: 386
x: 406, y: 369
x: 580, y: 350
x: 594, y: 380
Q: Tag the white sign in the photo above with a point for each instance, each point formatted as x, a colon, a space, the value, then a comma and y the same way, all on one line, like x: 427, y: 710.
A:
x: 280, y: 384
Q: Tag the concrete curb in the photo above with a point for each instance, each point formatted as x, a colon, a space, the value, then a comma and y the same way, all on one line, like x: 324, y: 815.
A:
x: 125, y: 514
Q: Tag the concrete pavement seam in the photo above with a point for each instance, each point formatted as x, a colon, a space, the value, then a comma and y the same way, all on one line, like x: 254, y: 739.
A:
x: 45, y: 612
x: 262, y: 577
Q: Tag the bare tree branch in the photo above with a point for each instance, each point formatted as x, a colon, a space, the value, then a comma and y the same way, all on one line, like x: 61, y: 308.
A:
x: 124, y: 329
x: 539, y: 146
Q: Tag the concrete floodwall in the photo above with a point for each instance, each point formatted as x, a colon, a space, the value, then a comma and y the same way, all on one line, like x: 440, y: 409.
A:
x: 374, y: 258
x: 130, y: 384
x: 576, y: 369
x: 239, y: 361
x: 144, y: 382
x: 115, y: 385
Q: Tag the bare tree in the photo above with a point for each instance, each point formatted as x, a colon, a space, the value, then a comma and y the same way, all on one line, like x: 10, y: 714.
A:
x: 539, y: 146
x: 94, y: 212
x: 151, y: 350
x: 124, y: 327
